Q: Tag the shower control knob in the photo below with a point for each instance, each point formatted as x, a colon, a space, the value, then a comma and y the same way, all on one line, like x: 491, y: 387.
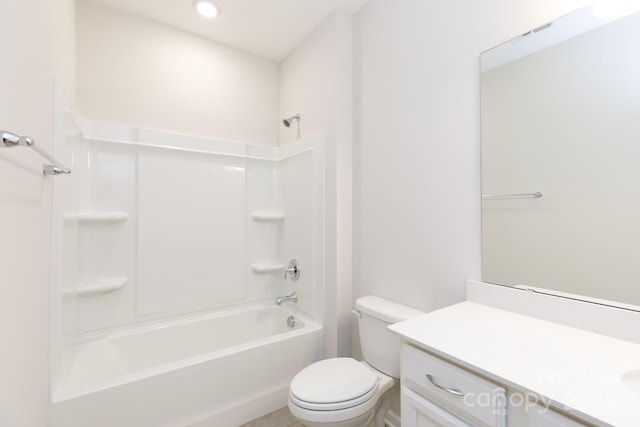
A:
x: 293, y: 270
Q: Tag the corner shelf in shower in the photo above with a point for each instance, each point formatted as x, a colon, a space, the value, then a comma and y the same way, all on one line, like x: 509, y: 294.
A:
x: 266, y: 268
x: 267, y: 216
x: 99, y: 217
x: 97, y: 287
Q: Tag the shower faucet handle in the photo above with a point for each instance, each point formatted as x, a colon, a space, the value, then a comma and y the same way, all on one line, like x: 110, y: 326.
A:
x: 293, y: 270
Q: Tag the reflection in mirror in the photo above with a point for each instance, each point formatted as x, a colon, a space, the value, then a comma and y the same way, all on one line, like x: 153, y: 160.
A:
x: 561, y: 116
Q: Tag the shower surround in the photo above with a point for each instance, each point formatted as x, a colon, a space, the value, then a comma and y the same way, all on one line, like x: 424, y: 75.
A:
x: 159, y: 229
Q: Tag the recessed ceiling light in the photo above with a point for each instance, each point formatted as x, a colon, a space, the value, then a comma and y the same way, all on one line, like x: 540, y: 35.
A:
x: 206, y: 8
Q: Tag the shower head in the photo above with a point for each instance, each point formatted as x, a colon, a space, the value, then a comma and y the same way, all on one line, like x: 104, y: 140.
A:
x: 287, y: 122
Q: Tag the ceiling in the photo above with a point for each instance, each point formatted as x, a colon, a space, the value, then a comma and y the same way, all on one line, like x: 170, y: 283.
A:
x: 267, y: 28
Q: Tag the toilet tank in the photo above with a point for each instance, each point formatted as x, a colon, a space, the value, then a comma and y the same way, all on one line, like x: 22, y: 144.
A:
x: 381, y: 348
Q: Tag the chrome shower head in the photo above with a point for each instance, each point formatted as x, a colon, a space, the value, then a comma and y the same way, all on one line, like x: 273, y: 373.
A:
x: 287, y: 122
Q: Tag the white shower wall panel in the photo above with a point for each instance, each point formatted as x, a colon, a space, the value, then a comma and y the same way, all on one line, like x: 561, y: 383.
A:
x: 191, y: 231
x: 262, y: 237
x: 106, y: 250
x: 192, y: 217
x: 112, y: 172
x: 300, y: 193
x: 67, y: 144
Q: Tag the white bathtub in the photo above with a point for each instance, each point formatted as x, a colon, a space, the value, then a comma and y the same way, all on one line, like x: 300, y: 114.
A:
x: 218, y: 370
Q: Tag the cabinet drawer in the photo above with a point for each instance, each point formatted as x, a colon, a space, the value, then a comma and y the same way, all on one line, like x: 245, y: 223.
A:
x: 463, y: 392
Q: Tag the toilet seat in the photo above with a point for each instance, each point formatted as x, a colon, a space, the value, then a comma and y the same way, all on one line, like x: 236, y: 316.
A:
x: 333, y: 384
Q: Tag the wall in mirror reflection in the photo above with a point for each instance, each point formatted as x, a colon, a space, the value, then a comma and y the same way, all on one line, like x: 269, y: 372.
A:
x: 565, y: 120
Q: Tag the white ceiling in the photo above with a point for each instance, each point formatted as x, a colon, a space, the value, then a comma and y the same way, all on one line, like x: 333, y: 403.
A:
x: 268, y: 28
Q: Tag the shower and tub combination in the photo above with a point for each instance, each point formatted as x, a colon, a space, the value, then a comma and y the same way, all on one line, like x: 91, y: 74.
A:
x: 174, y: 302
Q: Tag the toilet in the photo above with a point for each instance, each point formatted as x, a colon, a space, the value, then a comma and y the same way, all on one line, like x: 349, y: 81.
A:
x: 343, y: 392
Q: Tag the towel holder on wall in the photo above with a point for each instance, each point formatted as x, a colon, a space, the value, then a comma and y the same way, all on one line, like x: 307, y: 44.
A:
x: 10, y: 139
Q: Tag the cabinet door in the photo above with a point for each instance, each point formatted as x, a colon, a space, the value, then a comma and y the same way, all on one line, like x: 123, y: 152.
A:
x: 420, y: 412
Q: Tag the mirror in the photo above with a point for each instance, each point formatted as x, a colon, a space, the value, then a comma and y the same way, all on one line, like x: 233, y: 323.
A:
x: 561, y: 159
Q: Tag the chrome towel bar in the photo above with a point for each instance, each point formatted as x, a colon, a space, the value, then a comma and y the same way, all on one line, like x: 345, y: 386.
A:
x: 535, y: 195
x: 10, y: 139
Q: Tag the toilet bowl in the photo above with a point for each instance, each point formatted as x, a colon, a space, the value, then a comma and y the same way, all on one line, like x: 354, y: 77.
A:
x: 337, y: 392
x: 344, y: 392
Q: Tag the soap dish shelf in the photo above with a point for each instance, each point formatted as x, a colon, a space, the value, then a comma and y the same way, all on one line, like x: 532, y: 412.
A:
x: 266, y: 268
x: 97, y: 287
x: 267, y: 216
x: 99, y: 217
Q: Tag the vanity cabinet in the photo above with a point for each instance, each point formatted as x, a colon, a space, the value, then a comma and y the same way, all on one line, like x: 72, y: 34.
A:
x: 438, y: 393
x: 484, y: 366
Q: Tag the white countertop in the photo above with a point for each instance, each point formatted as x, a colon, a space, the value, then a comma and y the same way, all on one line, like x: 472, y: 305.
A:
x: 579, y: 371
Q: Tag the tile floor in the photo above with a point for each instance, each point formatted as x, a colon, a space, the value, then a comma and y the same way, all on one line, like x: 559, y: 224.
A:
x: 280, y: 418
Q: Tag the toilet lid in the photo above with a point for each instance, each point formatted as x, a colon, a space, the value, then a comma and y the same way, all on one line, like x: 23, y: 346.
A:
x: 333, y: 384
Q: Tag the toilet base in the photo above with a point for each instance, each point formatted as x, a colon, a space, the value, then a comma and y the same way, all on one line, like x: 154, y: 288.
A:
x: 364, y: 420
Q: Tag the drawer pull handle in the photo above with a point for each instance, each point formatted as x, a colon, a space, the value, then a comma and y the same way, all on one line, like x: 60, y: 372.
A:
x: 441, y: 387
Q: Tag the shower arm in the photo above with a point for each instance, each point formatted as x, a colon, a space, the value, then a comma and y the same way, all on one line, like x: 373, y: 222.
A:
x: 10, y: 139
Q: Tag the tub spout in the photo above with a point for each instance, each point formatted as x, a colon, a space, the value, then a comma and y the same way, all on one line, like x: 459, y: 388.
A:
x: 293, y: 298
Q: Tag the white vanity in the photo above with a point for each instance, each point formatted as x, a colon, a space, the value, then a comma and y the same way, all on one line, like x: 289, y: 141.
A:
x: 474, y: 365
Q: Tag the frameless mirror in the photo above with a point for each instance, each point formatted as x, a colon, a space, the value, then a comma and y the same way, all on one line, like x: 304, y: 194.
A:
x: 561, y: 159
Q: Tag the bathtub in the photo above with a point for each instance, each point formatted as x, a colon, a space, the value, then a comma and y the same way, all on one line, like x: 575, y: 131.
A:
x: 217, y: 370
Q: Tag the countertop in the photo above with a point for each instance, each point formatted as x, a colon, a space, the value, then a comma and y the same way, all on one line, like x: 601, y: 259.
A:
x: 578, y: 371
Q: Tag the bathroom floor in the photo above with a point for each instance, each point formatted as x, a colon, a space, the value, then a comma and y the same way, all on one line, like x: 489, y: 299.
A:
x: 280, y: 418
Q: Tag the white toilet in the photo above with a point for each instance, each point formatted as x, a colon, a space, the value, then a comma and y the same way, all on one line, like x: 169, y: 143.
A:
x: 343, y: 392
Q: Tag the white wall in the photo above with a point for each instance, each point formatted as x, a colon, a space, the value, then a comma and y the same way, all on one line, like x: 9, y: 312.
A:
x: 63, y: 14
x: 417, y: 145
x: 32, y: 31
x: 136, y: 72
x: 316, y: 81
